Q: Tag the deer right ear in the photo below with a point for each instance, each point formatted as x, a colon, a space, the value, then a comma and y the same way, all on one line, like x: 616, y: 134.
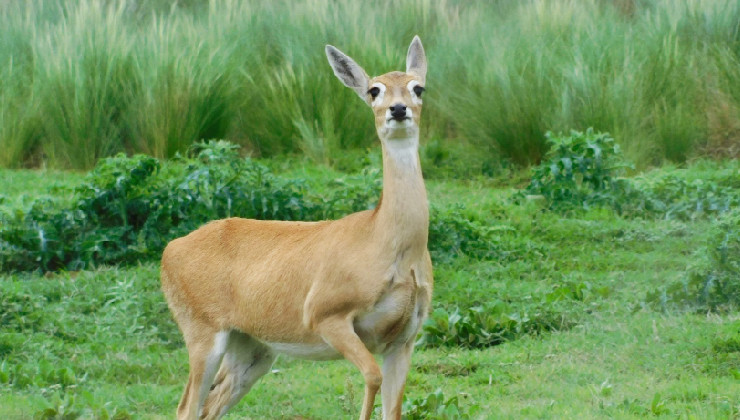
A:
x: 349, y: 72
x: 416, y: 60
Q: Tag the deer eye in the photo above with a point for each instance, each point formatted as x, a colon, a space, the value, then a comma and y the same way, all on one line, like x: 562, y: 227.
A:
x: 418, y: 90
x: 374, y: 92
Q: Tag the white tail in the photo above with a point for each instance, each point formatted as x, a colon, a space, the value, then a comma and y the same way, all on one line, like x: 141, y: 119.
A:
x: 243, y: 291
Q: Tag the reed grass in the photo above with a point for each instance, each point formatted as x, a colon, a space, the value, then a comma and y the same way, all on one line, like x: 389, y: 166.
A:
x: 86, y: 79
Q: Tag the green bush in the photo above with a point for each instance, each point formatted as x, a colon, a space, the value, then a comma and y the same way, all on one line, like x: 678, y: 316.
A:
x: 452, y: 234
x: 713, y: 281
x: 672, y: 197
x: 579, y: 170
x: 129, y: 208
x: 583, y: 170
x: 499, y: 321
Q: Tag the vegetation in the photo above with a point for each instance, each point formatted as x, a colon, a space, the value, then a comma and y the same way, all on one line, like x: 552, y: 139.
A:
x: 88, y: 79
x: 128, y: 209
x: 583, y: 170
x: 523, y: 292
x: 713, y: 284
x: 559, y: 255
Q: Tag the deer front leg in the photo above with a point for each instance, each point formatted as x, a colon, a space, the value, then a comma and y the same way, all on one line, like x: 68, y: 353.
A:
x: 395, y: 369
x: 340, y: 334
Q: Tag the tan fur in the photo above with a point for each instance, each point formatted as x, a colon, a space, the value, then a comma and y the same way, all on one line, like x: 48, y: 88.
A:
x: 244, y: 290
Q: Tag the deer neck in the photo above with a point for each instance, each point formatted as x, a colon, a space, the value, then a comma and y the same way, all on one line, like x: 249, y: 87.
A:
x: 402, y: 215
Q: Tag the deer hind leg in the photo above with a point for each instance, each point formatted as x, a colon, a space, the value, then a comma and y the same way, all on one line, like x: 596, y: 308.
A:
x: 340, y: 334
x: 206, y: 348
x: 395, y: 369
x: 245, y: 361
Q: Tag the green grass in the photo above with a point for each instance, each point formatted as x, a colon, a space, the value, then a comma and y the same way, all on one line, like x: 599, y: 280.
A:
x: 83, y: 80
x: 101, y: 344
x: 21, y: 188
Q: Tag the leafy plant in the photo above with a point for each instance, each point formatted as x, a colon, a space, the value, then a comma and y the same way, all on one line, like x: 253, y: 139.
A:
x: 496, y: 322
x: 434, y: 407
x: 129, y: 208
x: 452, y: 233
x: 713, y: 284
x: 349, y: 194
x: 78, y: 405
x: 583, y: 170
x: 579, y: 170
x: 672, y: 197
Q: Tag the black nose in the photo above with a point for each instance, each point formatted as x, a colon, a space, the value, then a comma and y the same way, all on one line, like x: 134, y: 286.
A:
x: 398, y: 111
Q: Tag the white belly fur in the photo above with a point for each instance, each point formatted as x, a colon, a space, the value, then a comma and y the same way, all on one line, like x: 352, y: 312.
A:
x: 320, y: 351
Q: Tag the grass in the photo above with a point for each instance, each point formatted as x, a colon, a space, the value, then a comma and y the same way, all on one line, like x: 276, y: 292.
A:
x: 102, y: 344
x: 83, y: 80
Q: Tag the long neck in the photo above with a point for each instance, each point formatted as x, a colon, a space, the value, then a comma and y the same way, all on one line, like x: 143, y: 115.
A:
x: 402, y: 215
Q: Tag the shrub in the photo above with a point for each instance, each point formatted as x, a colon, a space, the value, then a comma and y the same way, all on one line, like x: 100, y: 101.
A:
x: 583, y: 170
x: 579, y: 170
x: 672, y: 197
x: 451, y: 234
x: 129, y: 208
x: 712, y: 284
x: 499, y: 321
x: 348, y: 194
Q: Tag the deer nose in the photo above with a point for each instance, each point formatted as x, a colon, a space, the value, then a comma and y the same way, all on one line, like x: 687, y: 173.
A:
x: 398, y: 111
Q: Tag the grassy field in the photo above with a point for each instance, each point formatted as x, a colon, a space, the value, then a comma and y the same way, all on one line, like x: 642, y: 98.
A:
x: 86, y: 79
x: 101, y: 343
x: 563, y: 289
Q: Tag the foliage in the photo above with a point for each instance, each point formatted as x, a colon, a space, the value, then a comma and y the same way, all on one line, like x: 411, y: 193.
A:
x: 348, y: 194
x: 672, y: 197
x: 452, y: 233
x: 71, y: 341
x: 583, y: 170
x: 75, y: 406
x: 580, y: 169
x: 129, y: 208
x: 434, y: 407
x: 498, y: 321
x: 713, y: 283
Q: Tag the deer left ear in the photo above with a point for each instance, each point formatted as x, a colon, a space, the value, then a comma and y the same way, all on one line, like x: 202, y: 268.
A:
x: 349, y: 72
x: 416, y: 60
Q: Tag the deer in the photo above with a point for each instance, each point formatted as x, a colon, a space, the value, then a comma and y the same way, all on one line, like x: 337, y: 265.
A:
x: 244, y: 291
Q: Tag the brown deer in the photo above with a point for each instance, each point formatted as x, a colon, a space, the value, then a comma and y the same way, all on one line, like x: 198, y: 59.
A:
x: 244, y: 291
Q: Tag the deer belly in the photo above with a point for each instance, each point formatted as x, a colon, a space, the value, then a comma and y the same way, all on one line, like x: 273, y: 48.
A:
x: 309, y: 351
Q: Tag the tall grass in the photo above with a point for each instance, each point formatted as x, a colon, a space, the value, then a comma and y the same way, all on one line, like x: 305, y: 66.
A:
x: 86, y: 79
x: 651, y: 78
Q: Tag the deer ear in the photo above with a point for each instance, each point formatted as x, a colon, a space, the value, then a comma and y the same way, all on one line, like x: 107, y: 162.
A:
x: 416, y: 60
x: 349, y: 72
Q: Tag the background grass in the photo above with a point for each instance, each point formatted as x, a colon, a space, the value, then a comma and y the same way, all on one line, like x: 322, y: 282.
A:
x: 82, y: 80
x: 102, y: 344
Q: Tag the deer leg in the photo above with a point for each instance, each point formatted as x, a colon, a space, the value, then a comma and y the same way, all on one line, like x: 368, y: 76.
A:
x: 396, y: 364
x: 205, y: 350
x: 340, y: 334
x: 245, y: 361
